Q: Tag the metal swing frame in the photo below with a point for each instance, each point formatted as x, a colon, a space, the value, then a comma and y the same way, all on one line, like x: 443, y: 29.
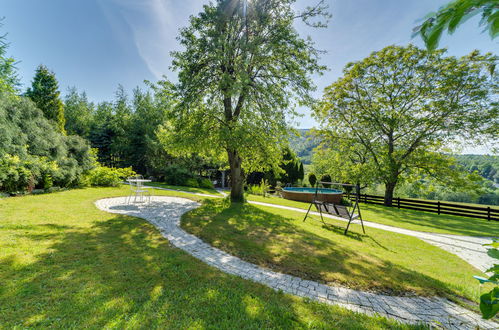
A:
x: 338, y: 210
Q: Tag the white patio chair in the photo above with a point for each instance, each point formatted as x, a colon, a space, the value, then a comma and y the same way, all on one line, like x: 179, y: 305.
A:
x: 137, y: 190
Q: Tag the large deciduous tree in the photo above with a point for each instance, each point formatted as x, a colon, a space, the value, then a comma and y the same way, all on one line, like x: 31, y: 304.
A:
x: 391, y: 114
x: 243, y: 69
x: 44, y: 91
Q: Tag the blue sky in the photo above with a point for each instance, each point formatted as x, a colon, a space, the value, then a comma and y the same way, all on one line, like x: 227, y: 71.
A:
x: 97, y: 44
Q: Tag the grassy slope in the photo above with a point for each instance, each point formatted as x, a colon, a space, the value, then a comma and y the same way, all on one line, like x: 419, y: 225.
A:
x: 409, y: 219
x: 378, y: 261
x: 65, y: 264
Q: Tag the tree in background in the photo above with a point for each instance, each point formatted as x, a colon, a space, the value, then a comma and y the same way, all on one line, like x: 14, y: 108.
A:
x: 44, y: 91
x: 395, y: 111
x: 242, y: 70
x: 9, y: 81
x: 292, y: 168
x: 78, y: 112
x: 449, y: 18
x: 149, y: 112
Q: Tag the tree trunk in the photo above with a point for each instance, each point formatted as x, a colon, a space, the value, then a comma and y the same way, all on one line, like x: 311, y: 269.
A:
x: 236, y: 177
x: 389, y: 189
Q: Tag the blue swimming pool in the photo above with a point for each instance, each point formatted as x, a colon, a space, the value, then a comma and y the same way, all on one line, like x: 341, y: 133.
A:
x: 312, y: 190
x: 303, y: 194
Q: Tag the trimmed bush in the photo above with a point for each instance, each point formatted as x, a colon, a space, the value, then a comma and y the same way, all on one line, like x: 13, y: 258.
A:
x: 312, y: 179
x: 103, y: 176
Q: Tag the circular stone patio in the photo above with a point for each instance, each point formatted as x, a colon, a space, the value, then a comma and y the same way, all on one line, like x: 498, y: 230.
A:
x: 165, y: 212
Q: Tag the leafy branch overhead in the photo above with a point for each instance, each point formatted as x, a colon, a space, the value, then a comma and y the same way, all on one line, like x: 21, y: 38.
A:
x: 451, y: 16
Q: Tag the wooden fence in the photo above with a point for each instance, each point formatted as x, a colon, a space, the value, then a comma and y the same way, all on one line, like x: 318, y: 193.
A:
x: 485, y: 212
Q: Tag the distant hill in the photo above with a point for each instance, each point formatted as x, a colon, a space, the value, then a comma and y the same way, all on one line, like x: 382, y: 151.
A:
x: 303, y: 145
x: 487, y: 166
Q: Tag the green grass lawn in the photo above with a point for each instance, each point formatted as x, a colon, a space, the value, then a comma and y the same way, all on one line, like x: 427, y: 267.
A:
x: 409, y: 219
x: 379, y: 261
x: 184, y: 188
x: 66, y: 264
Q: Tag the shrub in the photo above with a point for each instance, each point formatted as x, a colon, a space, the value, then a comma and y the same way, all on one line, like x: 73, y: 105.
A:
x: 489, y: 302
x: 178, y: 176
x: 15, y: 176
x: 205, y: 183
x: 103, y: 176
x: 312, y: 179
x: 191, y: 182
x: 326, y: 178
x: 262, y: 189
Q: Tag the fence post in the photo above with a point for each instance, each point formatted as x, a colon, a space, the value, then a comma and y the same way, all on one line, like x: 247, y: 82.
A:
x: 438, y: 207
x: 398, y: 202
x: 488, y: 213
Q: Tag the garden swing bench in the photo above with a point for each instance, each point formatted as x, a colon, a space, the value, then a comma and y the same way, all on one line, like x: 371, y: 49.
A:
x: 350, y: 213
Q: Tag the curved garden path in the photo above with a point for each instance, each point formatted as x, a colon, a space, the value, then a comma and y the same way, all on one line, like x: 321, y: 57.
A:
x: 165, y: 212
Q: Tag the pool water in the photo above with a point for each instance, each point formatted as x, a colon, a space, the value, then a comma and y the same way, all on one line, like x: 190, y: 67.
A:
x: 312, y: 190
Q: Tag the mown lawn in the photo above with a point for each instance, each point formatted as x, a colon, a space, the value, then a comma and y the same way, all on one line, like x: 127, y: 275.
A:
x: 409, y: 219
x: 184, y: 188
x: 378, y: 261
x: 65, y: 264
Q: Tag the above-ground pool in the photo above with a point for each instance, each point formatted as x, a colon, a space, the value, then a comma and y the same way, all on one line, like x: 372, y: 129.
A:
x: 307, y: 194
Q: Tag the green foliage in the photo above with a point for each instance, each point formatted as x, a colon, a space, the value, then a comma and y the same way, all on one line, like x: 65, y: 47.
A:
x: 9, y: 81
x: 191, y: 182
x: 291, y: 166
x: 44, y: 91
x: 303, y: 144
x: 78, y: 112
x: 205, y: 183
x: 489, y: 302
x: 389, y: 118
x: 240, y: 75
x: 39, y: 147
x: 15, y: 175
x: 326, y: 178
x: 177, y: 175
x: 485, y: 165
x: 102, y: 176
x: 261, y: 190
x: 312, y: 179
x: 456, y: 12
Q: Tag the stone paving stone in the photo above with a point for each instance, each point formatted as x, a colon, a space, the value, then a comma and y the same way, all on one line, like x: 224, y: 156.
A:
x: 165, y: 212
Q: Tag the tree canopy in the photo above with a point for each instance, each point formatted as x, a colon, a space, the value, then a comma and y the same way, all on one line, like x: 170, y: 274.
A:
x: 392, y: 114
x: 243, y: 69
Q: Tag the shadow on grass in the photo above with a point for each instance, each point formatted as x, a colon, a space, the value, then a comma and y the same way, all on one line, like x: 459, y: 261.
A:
x: 456, y: 224
x: 121, y: 273
x: 283, y: 244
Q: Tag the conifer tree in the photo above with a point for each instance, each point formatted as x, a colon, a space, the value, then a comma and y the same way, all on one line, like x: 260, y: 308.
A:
x: 44, y: 92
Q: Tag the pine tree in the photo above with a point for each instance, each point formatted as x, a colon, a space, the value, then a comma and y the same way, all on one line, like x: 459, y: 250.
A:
x: 44, y: 92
